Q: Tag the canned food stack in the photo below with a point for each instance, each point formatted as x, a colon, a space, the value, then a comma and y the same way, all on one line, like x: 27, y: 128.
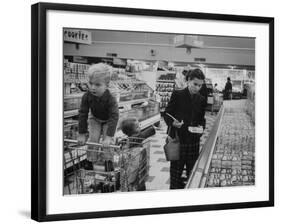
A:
x: 164, y: 88
x: 233, y: 160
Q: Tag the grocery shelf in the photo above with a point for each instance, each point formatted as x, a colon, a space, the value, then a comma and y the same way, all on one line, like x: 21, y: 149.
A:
x: 169, y: 81
x: 130, y: 102
x: 73, y: 95
x: 71, y: 113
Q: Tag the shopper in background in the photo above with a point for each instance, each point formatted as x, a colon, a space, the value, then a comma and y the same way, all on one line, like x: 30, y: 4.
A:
x: 104, y: 113
x: 228, y: 89
x: 131, y: 127
x: 187, y: 107
x: 204, y: 92
x: 216, y: 88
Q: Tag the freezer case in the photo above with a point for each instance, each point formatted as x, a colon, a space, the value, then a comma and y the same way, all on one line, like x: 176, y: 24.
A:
x: 228, y: 156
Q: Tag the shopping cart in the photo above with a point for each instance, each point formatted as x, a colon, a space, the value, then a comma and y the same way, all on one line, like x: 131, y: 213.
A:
x: 127, y: 171
x: 135, y: 164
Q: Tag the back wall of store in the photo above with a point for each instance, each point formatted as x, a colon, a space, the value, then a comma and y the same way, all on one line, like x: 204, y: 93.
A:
x: 216, y: 50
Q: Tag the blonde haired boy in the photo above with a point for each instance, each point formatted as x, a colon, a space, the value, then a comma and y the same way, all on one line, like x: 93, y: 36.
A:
x: 104, y: 112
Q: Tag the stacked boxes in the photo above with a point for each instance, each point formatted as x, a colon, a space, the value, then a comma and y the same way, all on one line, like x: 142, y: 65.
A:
x: 75, y: 72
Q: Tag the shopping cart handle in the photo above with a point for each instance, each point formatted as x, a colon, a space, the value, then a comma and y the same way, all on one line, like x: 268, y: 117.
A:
x: 91, y: 143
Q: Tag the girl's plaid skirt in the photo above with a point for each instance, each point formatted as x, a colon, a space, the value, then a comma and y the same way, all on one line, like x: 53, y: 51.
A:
x: 188, y: 155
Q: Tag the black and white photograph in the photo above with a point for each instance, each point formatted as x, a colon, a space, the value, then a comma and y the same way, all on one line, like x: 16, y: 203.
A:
x: 141, y: 112
x: 147, y: 111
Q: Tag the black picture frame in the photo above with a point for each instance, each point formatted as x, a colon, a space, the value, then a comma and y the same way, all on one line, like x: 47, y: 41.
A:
x: 39, y: 114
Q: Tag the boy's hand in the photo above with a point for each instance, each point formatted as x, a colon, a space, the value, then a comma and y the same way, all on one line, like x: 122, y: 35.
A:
x: 107, y: 141
x: 177, y: 124
x: 82, y: 138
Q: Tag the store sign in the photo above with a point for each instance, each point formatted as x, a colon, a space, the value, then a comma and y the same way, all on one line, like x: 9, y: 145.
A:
x: 111, y: 55
x: 200, y: 59
x: 77, y: 36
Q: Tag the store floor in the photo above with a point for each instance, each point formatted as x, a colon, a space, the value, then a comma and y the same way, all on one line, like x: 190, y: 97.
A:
x: 159, y: 176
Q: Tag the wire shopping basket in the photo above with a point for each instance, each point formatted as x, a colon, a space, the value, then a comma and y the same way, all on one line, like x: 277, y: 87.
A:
x: 135, y: 159
x: 128, y: 168
x: 89, y: 181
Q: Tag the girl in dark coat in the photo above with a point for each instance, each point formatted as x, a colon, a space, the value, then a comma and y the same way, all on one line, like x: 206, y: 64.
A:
x: 187, y: 107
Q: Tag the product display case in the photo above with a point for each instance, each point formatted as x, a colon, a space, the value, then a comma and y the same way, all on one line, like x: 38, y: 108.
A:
x: 233, y: 159
x: 228, y: 156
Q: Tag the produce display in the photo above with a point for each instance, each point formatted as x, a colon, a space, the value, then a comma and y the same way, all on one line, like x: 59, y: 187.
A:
x: 233, y: 159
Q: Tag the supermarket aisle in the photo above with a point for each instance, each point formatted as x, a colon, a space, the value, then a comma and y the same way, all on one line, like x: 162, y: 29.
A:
x: 159, y: 167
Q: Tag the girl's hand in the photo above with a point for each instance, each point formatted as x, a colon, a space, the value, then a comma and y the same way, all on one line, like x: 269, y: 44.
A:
x: 107, y: 142
x: 82, y: 138
x: 177, y: 124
